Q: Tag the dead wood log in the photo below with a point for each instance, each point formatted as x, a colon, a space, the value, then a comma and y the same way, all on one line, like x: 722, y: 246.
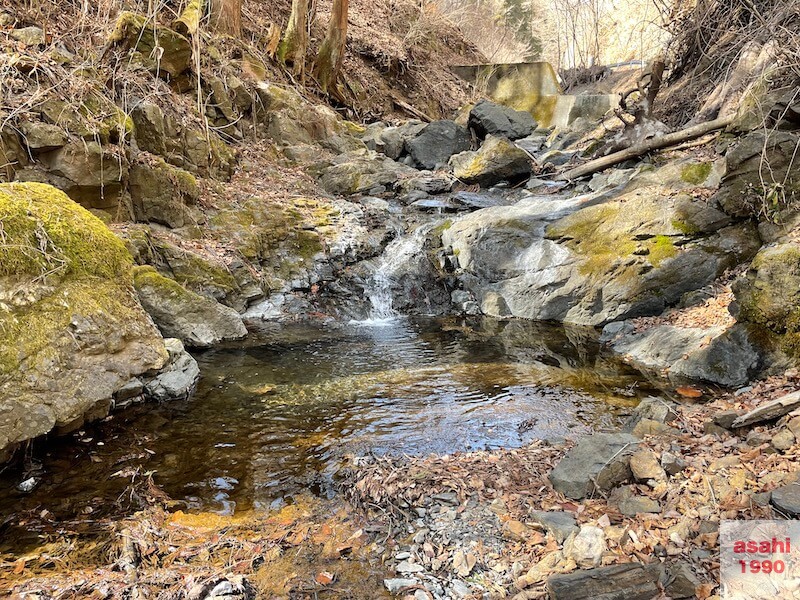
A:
x: 657, y: 143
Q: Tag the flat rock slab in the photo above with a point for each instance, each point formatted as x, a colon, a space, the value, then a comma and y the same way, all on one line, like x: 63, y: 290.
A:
x: 558, y: 524
x: 787, y: 499
x: 618, y: 582
x: 598, y: 462
x: 769, y: 411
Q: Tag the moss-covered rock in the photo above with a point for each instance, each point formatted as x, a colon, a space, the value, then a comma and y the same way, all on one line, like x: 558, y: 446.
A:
x: 179, y: 313
x: 94, y: 118
x: 769, y: 294
x: 359, y: 172
x: 148, y: 118
x: 497, y: 160
x: 158, y: 48
x: 161, y: 193
x: 71, y: 330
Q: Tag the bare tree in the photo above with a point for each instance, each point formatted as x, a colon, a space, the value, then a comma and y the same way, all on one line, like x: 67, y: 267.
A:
x: 226, y: 16
x: 331, y: 53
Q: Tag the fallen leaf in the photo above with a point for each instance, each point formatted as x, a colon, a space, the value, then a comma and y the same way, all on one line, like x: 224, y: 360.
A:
x: 689, y: 392
x: 325, y: 578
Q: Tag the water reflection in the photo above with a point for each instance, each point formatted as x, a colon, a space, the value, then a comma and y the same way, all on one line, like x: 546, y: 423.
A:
x: 278, y: 416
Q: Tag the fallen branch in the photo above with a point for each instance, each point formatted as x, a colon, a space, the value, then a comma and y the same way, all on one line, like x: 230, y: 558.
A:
x: 412, y: 111
x: 664, y: 141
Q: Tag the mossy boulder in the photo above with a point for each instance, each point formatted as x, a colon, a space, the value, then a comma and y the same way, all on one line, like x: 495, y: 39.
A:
x: 769, y: 294
x: 179, y: 313
x: 71, y: 330
x: 95, y: 117
x: 594, y: 262
x: 41, y: 137
x: 148, y: 118
x: 161, y: 193
x: 159, y: 48
x: 358, y: 172
x: 497, y: 160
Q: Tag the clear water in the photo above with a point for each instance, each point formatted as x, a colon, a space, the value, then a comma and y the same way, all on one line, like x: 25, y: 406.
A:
x: 280, y: 415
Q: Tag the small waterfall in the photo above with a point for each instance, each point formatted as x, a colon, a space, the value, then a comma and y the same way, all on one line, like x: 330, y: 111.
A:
x: 397, y: 255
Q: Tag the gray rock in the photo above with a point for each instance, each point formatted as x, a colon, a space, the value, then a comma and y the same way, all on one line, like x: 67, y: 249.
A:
x: 430, y: 183
x: 558, y: 524
x: 619, y: 582
x: 161, y: 193
x: 437, y: 142
x: 148, y: 120
x: 671, y: 463
x: 477, y: 200
x: 726, y: 418
x: 496, y: 161
x: 408, y: 567
x: 645, y: 466
x: 598, y: 463
x: 395, y: 585
x: 460, y: 589
x: 177, y: 381
x: 197, y: 321
x: 651, y: 408
x: 783, y: 440
x: 42, y: 136
x: 787, y: 499
x: 716, y: 355
x: 488, y: 118
x: 769, y: 411
x: 359, y: 172
x: 681, y: 582
x: 630, y: 507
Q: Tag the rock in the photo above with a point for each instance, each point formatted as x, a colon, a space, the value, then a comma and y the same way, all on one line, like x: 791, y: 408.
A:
x: 720, y: 355
x: 598, y: 463
x: 711, y: 428
x: 359, y: 172
x: 71, y: 339
x: 619, y: 582
x: 158, y: 48
x: 460, y: 589
x: 681, y: 582
x: 396, y: 585
x: 769, y: 295
x: 430, y: 183
x: 558, y: 524
x: 645, y: 466
x: 648, y: 427
x: 94, y: 175
x: 497, y: 160
x: 747, y: 181
x: 408, y: 567
x: 783, y: 440
x: 581, y: 262
x: 437, y: 142
x: 651, y: 408
x: 161, y: 193
x: 672, y: 464
x: 769, y: 411
x: 177, y: 381
x: 42, y: 136
x: 30, y: 36
x: 586, y: 547
x: 179, y: 313
x: 477, y: 200
x: 488, y: 118
x: 630, y: 507
x: 13, y: 156
x: 150, y: 132
x: 726, y: 418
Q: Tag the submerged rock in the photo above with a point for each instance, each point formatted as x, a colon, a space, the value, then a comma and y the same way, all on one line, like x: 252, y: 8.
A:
x: 71, y: 331
x: 179, y: 313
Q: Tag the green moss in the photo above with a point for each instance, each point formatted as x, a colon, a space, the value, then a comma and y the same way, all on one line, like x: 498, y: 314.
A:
x: 685, y: 227
x: 441, y: 228
x: 45, y: 233
x: 661, y: 248
x: 697, y: 173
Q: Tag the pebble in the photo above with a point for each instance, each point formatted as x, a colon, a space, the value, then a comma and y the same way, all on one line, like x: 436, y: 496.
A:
x: 783, y: 440
x: 407, y: 567
x: 403, y: 556
x: 395, y: 585
x: 460, y: 589
x: 587, y: 547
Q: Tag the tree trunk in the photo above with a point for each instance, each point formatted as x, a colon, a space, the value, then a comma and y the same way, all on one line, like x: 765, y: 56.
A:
x: 226, y: 16
x: 331, y: 53
x: 295, y: 42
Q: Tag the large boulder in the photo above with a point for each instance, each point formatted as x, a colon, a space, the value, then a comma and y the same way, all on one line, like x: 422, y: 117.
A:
x: 71, y: 330
x: 720, y: 355
x: 161, y: 193
x: 769, y: 294
x: 497, y: 160
x: 436, y: 143
x: 598, y: 463
x: 762, y: 174
x: 179, y: 313
x: 597, y: 259
x: 178, y: 379
x: 487, y: 118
